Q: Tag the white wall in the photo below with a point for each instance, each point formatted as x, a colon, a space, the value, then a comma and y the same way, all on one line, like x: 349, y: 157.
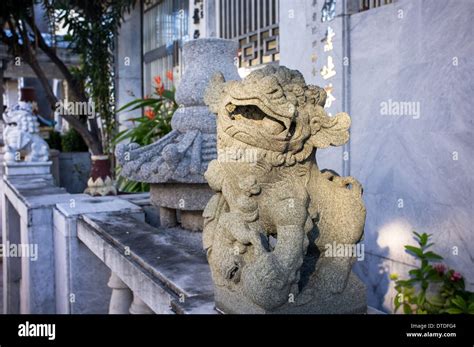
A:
x: 410, y: 51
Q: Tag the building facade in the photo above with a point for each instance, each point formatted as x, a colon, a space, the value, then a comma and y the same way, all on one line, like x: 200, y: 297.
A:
x: 397, y: 67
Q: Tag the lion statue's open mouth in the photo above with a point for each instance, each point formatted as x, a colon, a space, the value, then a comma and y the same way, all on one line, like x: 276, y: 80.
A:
x: 274, y: 110
x: 252, y: 116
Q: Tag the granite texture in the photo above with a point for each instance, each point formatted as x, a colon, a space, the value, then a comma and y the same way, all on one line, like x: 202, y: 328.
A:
x: 268, y: 228
x: 179, y: 196
x: 296, y: 35
x: 175, y: 164
x: 182, y: 155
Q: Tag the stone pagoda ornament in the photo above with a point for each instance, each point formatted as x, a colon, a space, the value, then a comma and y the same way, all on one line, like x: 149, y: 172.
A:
x: 175, y: 164
x: 270, y: 228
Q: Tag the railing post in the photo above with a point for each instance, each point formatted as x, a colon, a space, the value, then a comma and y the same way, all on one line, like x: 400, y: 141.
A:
x: 121, y: 297
x: 139, y: 307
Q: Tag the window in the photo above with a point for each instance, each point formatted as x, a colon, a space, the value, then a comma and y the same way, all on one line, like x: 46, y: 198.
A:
x: 254, y: 23
x: 165, y: 28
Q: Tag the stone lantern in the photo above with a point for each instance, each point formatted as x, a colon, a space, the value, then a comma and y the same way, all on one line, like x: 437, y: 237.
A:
x: 175, y: 164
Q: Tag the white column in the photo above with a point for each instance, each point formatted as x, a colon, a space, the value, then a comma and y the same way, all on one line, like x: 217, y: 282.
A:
x: 139, y: 307
x: 122, y: 296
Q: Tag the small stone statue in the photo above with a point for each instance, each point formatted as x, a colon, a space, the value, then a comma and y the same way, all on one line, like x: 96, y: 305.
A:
x: 274, y: 212
x: 20, y: 133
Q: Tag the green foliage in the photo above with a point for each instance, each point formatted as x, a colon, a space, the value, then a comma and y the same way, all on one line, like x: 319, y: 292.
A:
x: 92, y: 33
x: 54, y: 140
x: 155, y: 123
x: 152, y: 125
x: 431, y: 288
x: 71, y: 141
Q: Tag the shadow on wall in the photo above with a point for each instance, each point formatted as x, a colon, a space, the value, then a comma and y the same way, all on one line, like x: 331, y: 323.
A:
x: 375, y: 274
x: 387, y: 255
x: 378, y: 263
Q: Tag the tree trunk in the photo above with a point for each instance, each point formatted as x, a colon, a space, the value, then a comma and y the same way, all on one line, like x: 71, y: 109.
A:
x: 92, y: 137
x: 80, y: 127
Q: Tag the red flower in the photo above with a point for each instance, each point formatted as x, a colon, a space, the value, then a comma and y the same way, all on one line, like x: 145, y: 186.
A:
x: 150, y: 114
x: 160, y: 90
x: 440, y: 268
x: 455, y: 277
x: 157, y: 80
x: 169, y: 75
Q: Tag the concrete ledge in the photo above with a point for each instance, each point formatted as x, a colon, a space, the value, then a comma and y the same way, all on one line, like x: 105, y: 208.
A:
x: 166, y: 268
x: 81, y: 278
x: 29, y: 284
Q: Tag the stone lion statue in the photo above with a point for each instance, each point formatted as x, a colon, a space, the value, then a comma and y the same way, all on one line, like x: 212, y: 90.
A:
x: 20, y: 134
x: 274, y: 211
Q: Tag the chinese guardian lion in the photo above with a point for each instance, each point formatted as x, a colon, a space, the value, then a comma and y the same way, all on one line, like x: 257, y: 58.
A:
x: 21, y: 134
x: 274, y: 212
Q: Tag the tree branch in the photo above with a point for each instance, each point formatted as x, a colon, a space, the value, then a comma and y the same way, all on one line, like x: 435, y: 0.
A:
x: 79, y: 95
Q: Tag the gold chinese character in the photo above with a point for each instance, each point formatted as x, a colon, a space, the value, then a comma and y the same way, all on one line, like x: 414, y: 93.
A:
x: 328, y: 40
x: 328, y: 70
x: 329, y: 98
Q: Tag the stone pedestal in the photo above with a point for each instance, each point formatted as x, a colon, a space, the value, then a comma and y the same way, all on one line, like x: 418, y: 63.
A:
x: 353, y: 300
x: 28, y: 168
x: 189, y: 199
